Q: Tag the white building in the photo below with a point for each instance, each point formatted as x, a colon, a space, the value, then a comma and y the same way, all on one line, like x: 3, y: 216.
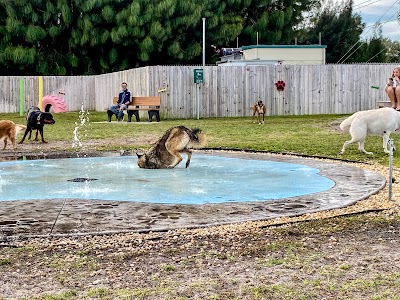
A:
x: 277, y: 54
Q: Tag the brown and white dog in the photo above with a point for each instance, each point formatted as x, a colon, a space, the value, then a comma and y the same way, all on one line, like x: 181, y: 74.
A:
x: 259, y: 109
x: 166, y: 151
x: 9, y: 131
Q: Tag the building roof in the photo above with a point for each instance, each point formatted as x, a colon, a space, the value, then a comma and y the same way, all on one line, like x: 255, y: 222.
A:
x: 282, y: 46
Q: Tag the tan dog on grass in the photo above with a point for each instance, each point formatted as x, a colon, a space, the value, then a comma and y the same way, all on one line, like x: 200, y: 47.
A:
x: 9, y: 131
x: 259, y: 109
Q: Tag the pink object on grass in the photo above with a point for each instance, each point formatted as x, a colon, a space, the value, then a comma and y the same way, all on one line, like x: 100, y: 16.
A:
x: 55, y: 102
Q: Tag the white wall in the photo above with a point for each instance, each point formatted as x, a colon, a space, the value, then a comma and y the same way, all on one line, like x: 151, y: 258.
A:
x: 288, y: 55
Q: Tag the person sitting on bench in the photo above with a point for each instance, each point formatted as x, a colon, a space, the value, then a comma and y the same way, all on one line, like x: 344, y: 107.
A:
x: 392, y: 89
x: 124, y: 99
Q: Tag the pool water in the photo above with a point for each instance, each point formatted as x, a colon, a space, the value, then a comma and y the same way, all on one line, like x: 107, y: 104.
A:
x: 209, y: 179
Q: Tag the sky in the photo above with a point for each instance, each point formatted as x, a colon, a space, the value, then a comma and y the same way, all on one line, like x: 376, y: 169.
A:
x: 384, y: 11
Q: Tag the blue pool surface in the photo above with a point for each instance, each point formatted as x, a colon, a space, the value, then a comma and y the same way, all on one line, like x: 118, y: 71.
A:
x: 209, y: 179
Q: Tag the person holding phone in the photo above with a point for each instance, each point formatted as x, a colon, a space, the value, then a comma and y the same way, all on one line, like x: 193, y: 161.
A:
x: 392, y: 89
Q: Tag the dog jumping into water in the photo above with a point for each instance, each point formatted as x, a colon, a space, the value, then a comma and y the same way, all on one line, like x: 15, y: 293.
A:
x: 166, y: 151
x: 36, y: 119
x: 259, y: 109
x: 9, y: 131
x: 381, y: 121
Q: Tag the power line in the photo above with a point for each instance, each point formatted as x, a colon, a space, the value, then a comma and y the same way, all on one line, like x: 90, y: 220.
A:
x: 384, y: 14
x: 342, y: 60
x: 358, y: 6
x: 388, y: 21
x: 339, y: 61
x: 376, y: 55
x: 361, y: 45
x: 364, y: 2
x: 352, y: 53
x: 359, y: 48
x: 381, y: 23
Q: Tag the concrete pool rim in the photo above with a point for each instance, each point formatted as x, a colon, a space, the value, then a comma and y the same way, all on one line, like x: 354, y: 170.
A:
x: 75, y: 216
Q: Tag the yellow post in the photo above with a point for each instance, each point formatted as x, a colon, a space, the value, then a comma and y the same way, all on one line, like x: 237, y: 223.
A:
x: 40, y: 92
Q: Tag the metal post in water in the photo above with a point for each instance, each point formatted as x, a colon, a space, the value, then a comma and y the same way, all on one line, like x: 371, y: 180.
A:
x: 391, y: 146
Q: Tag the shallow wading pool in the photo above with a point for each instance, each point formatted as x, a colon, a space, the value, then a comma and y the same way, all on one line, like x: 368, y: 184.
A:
x: 209, y: 179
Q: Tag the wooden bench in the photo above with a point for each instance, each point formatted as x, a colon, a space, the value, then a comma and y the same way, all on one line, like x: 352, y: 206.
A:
x: 151, y: 104
x: 380, y: 104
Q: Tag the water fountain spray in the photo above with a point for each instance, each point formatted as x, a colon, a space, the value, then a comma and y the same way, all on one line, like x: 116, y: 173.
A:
x: 81, y: 127
x: 80, y: 133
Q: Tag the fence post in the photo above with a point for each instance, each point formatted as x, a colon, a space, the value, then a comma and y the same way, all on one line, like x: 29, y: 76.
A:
x: 40, y: 103
x: 21, y: 96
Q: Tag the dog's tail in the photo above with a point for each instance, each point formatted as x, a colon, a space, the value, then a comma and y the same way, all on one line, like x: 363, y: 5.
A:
x: 345, y: 125
x: 19, y: 128
x: 197, y: 138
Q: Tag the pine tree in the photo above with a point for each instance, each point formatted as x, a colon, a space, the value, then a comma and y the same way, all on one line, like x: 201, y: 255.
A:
x: 274, y: 20
x: 31, y: 36
x: 70, y: 37
x: 340, y: 30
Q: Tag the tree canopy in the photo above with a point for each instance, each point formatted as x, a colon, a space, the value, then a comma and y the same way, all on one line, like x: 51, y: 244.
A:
x: 341, y: 30
x: 77, y: 37
x: 71, y: 37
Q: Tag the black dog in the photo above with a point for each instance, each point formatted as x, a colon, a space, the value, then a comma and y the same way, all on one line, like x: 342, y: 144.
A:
x: 35, y: 119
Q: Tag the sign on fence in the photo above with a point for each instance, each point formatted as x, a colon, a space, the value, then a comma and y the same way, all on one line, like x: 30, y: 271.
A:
x: 198, y: 76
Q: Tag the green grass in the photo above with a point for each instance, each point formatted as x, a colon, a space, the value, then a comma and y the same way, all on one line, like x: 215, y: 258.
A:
x: 168, y: 268
x: 5, y: 261
x: 314, y: 135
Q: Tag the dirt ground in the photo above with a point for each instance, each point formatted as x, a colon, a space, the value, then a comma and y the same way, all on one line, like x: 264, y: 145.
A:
x: 349, y: 253
x: 36, y: 147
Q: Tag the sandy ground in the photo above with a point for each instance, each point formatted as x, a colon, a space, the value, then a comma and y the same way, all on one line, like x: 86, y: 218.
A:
x: 348, y: 253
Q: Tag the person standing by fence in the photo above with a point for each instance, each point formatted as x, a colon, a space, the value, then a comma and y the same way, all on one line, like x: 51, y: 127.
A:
x: 124, y: 99
x: 393, y: 89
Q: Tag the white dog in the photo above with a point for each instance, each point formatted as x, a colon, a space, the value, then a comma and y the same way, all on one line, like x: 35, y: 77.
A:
x: 381, y: 121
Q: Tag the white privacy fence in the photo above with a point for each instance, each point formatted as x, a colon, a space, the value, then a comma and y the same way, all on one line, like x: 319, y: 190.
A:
x: 226, y: 92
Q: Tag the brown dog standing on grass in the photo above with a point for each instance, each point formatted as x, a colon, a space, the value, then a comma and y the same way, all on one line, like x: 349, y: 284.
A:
x: 259, y: 109
x: 166, y: 151
x: 9, y: 131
